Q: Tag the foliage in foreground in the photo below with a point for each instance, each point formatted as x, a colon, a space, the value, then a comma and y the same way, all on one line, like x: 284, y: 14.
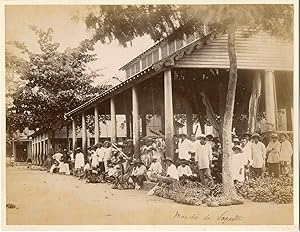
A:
x: 260, y: 190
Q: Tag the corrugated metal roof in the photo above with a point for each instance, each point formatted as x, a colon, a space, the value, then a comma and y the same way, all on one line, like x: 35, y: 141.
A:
x: 168, y: 61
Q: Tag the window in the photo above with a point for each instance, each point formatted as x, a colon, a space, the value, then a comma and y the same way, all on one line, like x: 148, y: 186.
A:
x: 137, y: 67
x: 144, y: 64
x: 132, y: 70
x: 149, y: 60
x: 128, y: 72
x: 179, y: 44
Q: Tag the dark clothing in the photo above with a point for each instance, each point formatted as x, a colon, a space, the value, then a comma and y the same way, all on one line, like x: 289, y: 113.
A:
x: 205, y: 172
x: 256, y: 172
x: 139, y: 179
x: 66, y: 158
x: 273, y: 168
x: 101, y: 167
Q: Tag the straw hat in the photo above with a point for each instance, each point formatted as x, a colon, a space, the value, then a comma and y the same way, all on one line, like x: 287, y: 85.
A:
x: 274, y: 135
x: 237, y: 147
x: 256, y: 135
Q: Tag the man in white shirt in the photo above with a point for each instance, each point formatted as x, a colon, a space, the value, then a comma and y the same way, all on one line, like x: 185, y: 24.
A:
x: 184, y: 147
x: 273, y: 150
x: 194, y: 143
x: 138, y: 174
x: 258, y: 152
x: 172, y: 173
x: 285, y: 154
x: 184, y: 170
x: 154, y: 170
x: 204, y: 159
x: 100, y: 151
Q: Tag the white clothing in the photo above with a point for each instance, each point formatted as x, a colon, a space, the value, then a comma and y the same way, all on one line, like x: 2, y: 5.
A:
x: 194, y: 145
x: 258, y: 154
x: 184, y: 171
x: 57, y: 156
x: 65, y: 168
x: 94, y: 159
x: 286, y: 151
x: 273, y: 149
x: 100, y: 153
x: 138, y: 171
x: 203, y: 155
x: 238, y: 162
x: 248, y: 152
x: 184, y: 147
x: 107, y: 153
x: 79, y: 160
x: 87, y: 167
x: 156, y: 168
x: 172, y: 172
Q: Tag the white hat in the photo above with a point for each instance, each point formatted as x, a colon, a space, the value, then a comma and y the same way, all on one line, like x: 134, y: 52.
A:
x: 237, y: 147
x: 202, y: 136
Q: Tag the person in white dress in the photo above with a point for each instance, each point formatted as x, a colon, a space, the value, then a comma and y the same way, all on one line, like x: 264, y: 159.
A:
x: 107, y: 154
x: 94, y: 156
x: 154, y: 169
x: 238, y: 164
x: 79, y: 161
x: 171, y: 175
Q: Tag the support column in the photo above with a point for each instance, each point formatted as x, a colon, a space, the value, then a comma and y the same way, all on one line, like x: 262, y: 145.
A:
x: 14, y: 149
x: 169, y: 119
x: 144, y: 125
x: 271, y: 110
x: 189, y: 119
x: 128, y: 125
x: 83, y: 131
x: 74, y: 140
x: 113, y: 120
x: 136, y: 123
x: 162, y: 117
x: 96, y: 125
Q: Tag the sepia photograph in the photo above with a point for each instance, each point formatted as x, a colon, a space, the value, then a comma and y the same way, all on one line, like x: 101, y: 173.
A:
x: 134, y: 115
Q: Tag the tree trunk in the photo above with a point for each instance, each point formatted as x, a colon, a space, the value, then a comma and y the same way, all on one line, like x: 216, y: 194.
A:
x: 228, y: 184
x: 253, y: 103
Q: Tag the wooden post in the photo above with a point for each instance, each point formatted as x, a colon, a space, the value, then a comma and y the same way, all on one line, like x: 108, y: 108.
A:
x: 83, y: 132
x: 189, y: 118
x: 169, y: 120
x: 128, y: 125
x: 113, y: 120
x: 162, y: 117
x: 14, y: 149
x: 96, y: 125
x: 136, y: 123
x: 68, y: 137
x: 74, y: 140
x: 144, y: 125
x: 270, y: 98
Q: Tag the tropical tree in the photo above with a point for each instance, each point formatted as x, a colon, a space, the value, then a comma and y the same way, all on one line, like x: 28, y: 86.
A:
x: 125, y: 23
x: 54, y: 82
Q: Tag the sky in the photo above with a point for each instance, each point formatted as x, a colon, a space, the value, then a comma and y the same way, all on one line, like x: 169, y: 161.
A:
x: 69, y: 32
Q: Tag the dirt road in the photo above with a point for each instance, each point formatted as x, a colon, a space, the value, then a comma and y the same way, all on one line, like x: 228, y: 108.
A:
x: 51, y: 199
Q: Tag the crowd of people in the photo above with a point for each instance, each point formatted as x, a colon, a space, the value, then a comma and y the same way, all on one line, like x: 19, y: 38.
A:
x: 195, y: 158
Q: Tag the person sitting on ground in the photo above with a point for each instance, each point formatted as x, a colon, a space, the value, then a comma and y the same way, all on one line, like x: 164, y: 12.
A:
x: 184, y: 171
x: 154, y: 169
x: 86, y: 170
x: 147, y: 152
x: 138, y: 174
x: 109, y: 175
x: 171, y: 174
x: 238, y: 164
x: 56, y: 161
x: 193, y: 166
x: 65, y: 163
x: 79, y: 162
x: 29, y: 163
x: 61, y: 169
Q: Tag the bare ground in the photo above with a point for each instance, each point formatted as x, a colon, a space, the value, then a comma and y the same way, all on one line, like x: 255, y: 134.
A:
x: 51, y: 199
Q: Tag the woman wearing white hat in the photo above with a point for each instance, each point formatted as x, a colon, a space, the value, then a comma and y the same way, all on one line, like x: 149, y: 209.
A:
x: 238, y: 163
